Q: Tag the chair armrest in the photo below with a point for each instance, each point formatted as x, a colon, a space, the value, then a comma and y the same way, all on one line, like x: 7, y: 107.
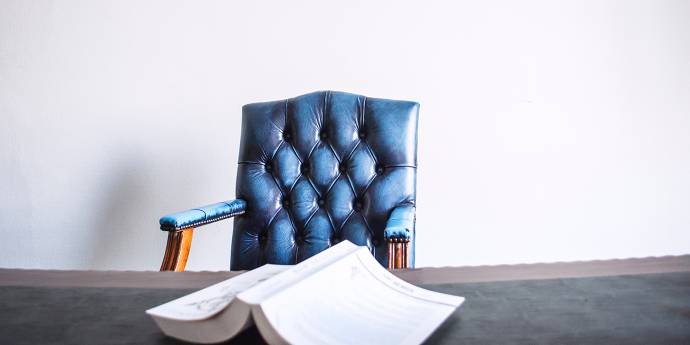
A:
x: 398, y: 233
x: 400, y: 224
x: 203, y: 215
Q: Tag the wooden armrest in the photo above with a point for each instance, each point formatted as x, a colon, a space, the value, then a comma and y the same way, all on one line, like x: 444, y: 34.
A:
x: 398, y: 253
x: 177, y: 250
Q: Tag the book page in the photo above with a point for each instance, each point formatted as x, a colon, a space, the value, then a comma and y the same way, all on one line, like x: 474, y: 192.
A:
x: 297, y: 273
x: 208, y: 302
x: 353, y: 301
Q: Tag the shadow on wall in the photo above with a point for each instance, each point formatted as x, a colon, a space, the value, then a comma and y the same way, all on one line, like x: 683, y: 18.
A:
x: 125, y: 232
x: 135, y: 192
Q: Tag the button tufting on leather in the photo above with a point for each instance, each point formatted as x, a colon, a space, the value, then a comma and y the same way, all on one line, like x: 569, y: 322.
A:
x: 326, y: 152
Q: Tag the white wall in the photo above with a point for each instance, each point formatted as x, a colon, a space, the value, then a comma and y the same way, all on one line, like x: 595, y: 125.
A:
x: 550, y: 131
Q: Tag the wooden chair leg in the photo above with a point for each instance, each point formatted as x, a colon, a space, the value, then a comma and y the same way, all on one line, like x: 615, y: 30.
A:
x: 398, y: 253
x: 177, y: 250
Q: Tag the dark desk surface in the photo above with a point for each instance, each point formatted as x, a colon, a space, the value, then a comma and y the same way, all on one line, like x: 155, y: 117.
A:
x: 636, y: 301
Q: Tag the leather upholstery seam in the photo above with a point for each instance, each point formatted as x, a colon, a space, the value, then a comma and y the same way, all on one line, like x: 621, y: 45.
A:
x: 270, y: 221
x: 400, y: 166
x: 294, y: 150
x: 204, y: 212
x: 342, y: 225
x: 306, y: 224
x: 203, y: 222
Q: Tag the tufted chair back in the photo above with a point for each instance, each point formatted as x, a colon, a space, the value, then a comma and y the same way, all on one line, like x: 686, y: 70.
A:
x: 321, y: 168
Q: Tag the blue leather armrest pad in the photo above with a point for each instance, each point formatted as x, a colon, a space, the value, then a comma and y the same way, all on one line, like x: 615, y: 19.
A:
x: 400, y: 223
x: 203, y: 215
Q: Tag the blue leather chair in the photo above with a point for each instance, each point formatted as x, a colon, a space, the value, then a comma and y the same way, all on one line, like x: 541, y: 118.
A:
x: 315, y: 170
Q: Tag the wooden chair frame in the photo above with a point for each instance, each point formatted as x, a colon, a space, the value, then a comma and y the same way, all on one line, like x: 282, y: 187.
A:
x: 177, y: 250
x: 398, y: 253
x: 180, y: 242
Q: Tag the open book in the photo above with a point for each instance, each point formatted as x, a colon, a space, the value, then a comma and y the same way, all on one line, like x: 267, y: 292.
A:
x: 339, y: 296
